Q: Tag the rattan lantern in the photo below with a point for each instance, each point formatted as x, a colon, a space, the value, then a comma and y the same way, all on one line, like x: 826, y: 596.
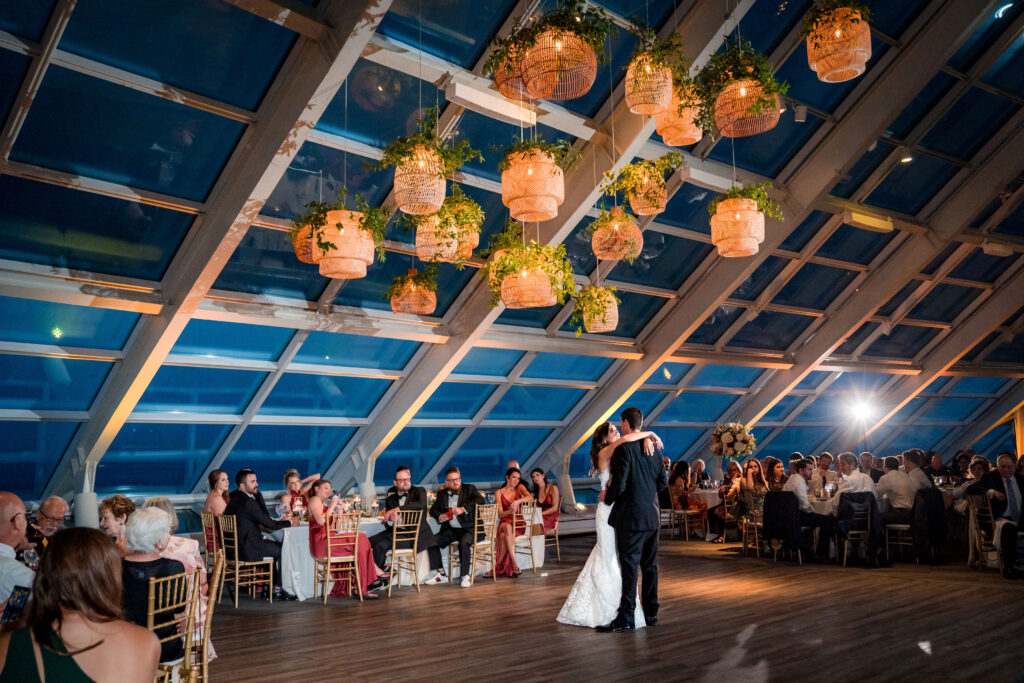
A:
x: 353, y: 246
x: 560, y: 66
x: 737, y: 228
x: 419, y: 182
x: 467, y: 243
x: 649, y: 199
x: 529, y: 289
x: 732, y: 110
x: 414, y: 299
x: 605, y: 321
x: 678, y: 128
x: 839, y: 47
x: 533, y: 187
x: 508, y: 77
x: 648, y: 88
x: 435, y: 243
x: 495, y: 257
x: 305, y: 245
x: 618, y: 239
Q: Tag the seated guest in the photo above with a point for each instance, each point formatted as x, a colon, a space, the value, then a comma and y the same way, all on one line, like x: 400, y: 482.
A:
x: 1020, y: 460
x: 681, y: 485
x: 454, y: 509
x: 729, y: 493
x: 752, y: 490
x: 146, y: 536
x: 794, y: 461
x: 664, y: 497
x: 934, y: 467
x: 912, y: 460
x: 49, y: 519
x: 867, y: 466
x: 775, y: 473
x: 547, y: 498
x: 895, y: 493
x: 251, y: 518
x: 797, y: 484
x: 13, y: 524
x: 961, y: 466
x: 217, y: 499
x: 404, y: 496
x: 823, y: 474
x: 975, y: 471
x: 321, y: 505
x: 296, y: 491
x: 853, y: 481
x: 75, y: 629
x: 1006, y: 489
x: 114, y: 512
x: 700, y: 473
x: 509, y: 497
x: 525, y: 483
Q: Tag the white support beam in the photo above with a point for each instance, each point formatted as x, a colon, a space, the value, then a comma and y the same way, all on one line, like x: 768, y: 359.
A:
x: 63, y: 286
x: 288, y: 13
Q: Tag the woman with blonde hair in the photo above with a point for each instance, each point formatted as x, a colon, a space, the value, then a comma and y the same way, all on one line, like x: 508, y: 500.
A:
x: 296, y: 495
x: 114, y: 512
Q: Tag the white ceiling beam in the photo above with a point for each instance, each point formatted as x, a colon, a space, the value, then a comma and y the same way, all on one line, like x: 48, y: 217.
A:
x: 78, y: 288
x: 291, y: 14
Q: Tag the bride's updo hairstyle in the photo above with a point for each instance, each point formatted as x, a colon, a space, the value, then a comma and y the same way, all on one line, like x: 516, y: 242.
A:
x: 599, y: 441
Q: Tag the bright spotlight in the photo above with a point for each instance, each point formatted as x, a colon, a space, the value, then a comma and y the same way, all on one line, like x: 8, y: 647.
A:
x: 1001, y: 12
x: 861, y: 410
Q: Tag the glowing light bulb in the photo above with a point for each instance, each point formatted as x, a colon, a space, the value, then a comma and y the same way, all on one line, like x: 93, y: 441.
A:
x: 578, y: 19
x: 327, y: 357
x: 558, y: 45
x: 838, y: 32
x: 421, y: 163
x: 737, y: 216
x: 57, y: 332
x: 615, y: 226
x: 743, y: 92
x: 647, y: 68
x: 524, y: 273
x: 529, y: 171
x: 380, y: 88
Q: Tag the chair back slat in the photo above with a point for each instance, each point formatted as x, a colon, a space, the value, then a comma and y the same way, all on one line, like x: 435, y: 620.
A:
x: 229, y: 537
x: 343, y: 535
x: 172, y: 603
x: 486, y: 522
x: 523, y: 519
x: 210, y: 539
x: 407, y: 526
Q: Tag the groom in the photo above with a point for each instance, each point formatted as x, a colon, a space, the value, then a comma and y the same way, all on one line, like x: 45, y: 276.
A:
x: 636, y: 479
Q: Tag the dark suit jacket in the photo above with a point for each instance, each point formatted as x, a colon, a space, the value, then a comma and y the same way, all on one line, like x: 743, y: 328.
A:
x: 415, y: 499
x: 250, y: 517
x: 875, y: 474
x: 469, y: 498
x: 636, y: 480
x: 992, y: 480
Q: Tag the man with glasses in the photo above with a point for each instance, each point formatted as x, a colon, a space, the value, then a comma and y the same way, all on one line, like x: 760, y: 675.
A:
x: 49, y: 520
x: 13, y: 523
x: 455, y: 510
x: 404, y: 496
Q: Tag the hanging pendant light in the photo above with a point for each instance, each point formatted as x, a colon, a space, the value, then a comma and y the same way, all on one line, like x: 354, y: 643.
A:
x: 419, y: 183
x: 649, y: 199
x: 435, y: 243
x: 678, y: 128
x: 618, y: 238
x: 508, y: 77
x: 648, y: 88
x: 737, y: 228
x: 414, y: 299
x: 839, y: 47
x: 353, y: 250
x: 559, y: 66
x: 467, y: 243
x: 606, y: 320
x: 732, y: 110
x: 533, y: 186
x: 530, y: 288
x: 304, y: 244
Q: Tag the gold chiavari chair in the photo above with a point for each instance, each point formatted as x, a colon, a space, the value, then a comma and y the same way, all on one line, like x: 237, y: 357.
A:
x: 342, y: 561
x: 551, y: 539
x: 240, y: 572
x: 485, y: 526
x: 202, y: 649
x: 523, y: 520
x: 171, y: 614
x: 211, y: 540
x: 983, y: 529
x: 405, y: 530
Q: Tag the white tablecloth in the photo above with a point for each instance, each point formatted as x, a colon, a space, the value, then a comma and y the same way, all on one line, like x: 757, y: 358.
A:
x: 822, y: 507
x: 709, y: 496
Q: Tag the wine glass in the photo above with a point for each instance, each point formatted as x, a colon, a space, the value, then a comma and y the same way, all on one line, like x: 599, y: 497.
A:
x: 30, y: 557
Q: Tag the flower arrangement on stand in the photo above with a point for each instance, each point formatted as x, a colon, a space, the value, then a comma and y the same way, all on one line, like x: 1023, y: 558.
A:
x: 643, y: 183
x: 732, y: 440
x: 737, y: 219
x: 838, y: 39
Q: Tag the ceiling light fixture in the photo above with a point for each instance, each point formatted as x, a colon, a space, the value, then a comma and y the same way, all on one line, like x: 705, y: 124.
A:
x: 1001, y: 12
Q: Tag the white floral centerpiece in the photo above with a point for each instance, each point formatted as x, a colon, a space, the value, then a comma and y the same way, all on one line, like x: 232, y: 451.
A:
x: 732, y: 440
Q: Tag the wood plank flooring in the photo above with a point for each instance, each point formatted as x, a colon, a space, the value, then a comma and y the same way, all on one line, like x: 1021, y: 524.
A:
x: 723, y: 618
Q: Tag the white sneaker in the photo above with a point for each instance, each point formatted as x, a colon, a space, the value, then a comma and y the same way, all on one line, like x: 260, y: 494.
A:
x: 436, y: 579
x: 711, y: 537
x: 466, y: 581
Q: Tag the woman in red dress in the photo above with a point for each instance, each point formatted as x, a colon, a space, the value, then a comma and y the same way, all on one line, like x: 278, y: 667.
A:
x: 370, y: 577
x: 296, y: 491
x: 509, y: 497
x: 547, y: 497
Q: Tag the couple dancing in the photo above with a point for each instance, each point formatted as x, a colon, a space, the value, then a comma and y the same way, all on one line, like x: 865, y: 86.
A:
x: 631, y: 474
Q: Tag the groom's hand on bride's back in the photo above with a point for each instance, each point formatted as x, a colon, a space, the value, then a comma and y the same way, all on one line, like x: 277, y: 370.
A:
x: 600, y: 496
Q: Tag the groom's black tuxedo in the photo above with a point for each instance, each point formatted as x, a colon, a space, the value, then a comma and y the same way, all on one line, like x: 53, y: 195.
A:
x: 636, y: 480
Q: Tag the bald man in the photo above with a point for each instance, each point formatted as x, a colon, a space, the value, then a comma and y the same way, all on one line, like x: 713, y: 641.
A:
x: 13, y: 524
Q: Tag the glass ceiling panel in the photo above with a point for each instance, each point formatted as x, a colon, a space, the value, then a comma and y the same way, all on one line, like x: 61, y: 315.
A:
x: 944, y: 303
x: 979, y: 347
x: 493, y: 362
x: 265, y: 263
x: 232, y: 340
x: 322, y: 395
x: 893, y: 17
x: 908, y: 187
x: 905, y: 341
x: 768, y: 153
x: 805, y: 87
x: 936, y: 385
x: 1010, y: 352
x: 529, y: 317
x: 491, y: 137
x: 205, y: 47
x: 12, y: 70
x: 619, y: 45
x: 34, y: 383
x: 925, y: 438
x: 771, y: 330
x: 860, y: 382
x: 646, y: 401
x: 90, y: 127
x: 65, y: 228
x: 812, y: 379
x: 536, y: 403
x: 355, y: 350
x: 951, y: 410
x: 159, y: 458
x: 697, y: 407
x: 369, y: 291
x: 678, y: 440
x: 565, y: 366
x: 665, y: 261
x: 864, y: 167
x: 906, y: 412
x: 981, y: 267
x: 199, y: 390
x: 25, y: 18
x: 29, y: 451
x: 578, y: 248
x: 270, y: 450
x: 978, y: 385
x: 579, y: 462
x: 792, y: 440
x: 669, y: 374
x: 939, y: 260
x: 1006, y: 73
x: 688, y: 208
x: 733, y: 376
x: 754, y: 285
x: 1012, y: 224
x: 969, y: 124
x: 416, y: 447
x: 715, y: 325
x: 456, y: 400
x: 991, y: 27
x: 457, y: 31
x: 767, y: 22
x: 892, y: 304
x: 814, y: 286
x: 852, y: 244
x: 827, y: 409
x: 488, y: 449
x: 781, y: 410
x: 635, y: 312
x: 42, y: 322
x: 807, y: 229
x: 652, y: 13
x: 1000, y: 439
x: 855, y: 339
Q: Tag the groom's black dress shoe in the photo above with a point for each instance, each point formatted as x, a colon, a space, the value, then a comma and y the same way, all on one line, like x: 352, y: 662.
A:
x: 652, y: 620
x: 615, y: 627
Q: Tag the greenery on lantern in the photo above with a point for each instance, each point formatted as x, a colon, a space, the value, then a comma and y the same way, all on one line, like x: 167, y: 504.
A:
x: 661, y: 54
x: 591, y: 303
x: 758, y: 192
x: 403, y: 147
x: 738, y: 61
x: 459, y: 217
x: 590, y: 23
x: 518, y: 259
x: 374, y: 220
x: 820, y: 16
x: 560, y: 150
x: 605, y: 220
x: 427, y: 279
x: 510, y: 237
x: 643, y: 178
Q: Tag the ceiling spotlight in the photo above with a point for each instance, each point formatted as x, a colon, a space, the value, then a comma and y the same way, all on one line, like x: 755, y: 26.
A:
x: 861, y: 410
x: 906, y: 158
x: 1001, y: 12
x: 800, y: 113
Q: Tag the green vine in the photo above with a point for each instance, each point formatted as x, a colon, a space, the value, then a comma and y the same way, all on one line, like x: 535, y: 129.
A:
x: 820, y: 13
x: 510, y: 237
x: 562, y: 151
x: 517, y: 259
x: 606, y: 220
x: 458, y: 218
x: 738, y: 61
x: 643, y: 178
x: 758, y: 192
x: 592, y: 303
x: 403, y: 147
x: 661, y: 54
x: 374, y: 220
x: 426, y: 279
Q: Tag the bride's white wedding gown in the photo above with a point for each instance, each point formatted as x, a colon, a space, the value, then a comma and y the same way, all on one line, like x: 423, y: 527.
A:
x: 594, y: 600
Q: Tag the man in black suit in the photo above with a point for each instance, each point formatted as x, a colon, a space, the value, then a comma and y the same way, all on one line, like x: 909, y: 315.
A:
x: 404, y: 496
x: 251, y: 518
x: 866, y: 462
x: 1006, y: 489
x: 455, y: 510
x: 636, y: 480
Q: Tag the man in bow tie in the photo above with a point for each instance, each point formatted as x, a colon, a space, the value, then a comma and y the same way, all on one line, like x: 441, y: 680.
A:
x: 455, y: 510
x: 404, y: 496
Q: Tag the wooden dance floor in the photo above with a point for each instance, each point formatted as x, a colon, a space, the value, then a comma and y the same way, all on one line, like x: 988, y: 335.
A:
x: 723, y: 618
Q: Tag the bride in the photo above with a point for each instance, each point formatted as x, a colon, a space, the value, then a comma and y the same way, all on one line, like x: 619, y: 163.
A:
x: 594, y: 600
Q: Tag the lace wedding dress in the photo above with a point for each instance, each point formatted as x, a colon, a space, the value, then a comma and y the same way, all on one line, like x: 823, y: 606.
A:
x: 594, y: 600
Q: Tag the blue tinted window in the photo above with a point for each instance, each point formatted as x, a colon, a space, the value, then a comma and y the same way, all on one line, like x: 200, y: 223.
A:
x: 456, y: 400
x: 486, y: 452
x: 814, y: 286
x: 768, y: 153
x: 892, y: 18
x: 646, y: 401
x: 864, y: 167
x: 579, y: 250
x: 855, y: 245
x: 204, y: 47
x: 665, y: 261
x: 34, y: 383
x: 536, y: 403
x: 715, y: 325
x: 726, y: 376
x: 771, y: 330
x: 892, y: 304
x: 922, y: 103
x: 856, y: 339
x: 579, y: 464
x: 89, y: 127
x: 265, y: 263
x: 494, y: 362
x: 807, y: 229
x: 1009, y: 352
x: 760, y: 278
x: 42, y: 322
x: 1006, y: 72
x: 669, y: 373
x: 1000, y: 439
x: 491, y: 137
x: 619, y: 44
x: 369, y: 291
x: 793, y: 440
x: 538, y: 318
x: 296, y: 394
x: 907, y: 411
x: 272, y: 449
x: 781, y: 410
x: 979, y: 385
x: 859, y: 381
x: 30, y: 451
x: 232, y: 340
x: 565, y: 366
x: 980, y: 346
x: 25, y: 18
x: 905, y: 341
x: 766, y: 23
x: 333, y: 348
x: 941, y: 259
x: 635, y: 312
x: 982, y: 267
x: 969, y: 123
x: 416, y: 447
x: 944, y: 303
x: 828, y: 409
x: 158, y: 458
x: 12, y: 70
x: 910, y: 186
x: 812, y: 380
x: 456, y: 31
x: 936, y: 385
x: 805, y: 87
x: 697, y: 407
x: 678, y: 439
x: 200, y: 390
x: 991, y: 26
x: 945, y: 410
x: 688, y: 208
x: 925, y: 438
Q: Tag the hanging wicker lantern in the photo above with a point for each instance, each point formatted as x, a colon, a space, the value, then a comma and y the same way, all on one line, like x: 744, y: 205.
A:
x: 649, y: 200
x: 560, y: 66
x: 528, y: 289
x: 433, y: 243
x: 414, y: 299
x: 619, y: 239
x: 305, y: 245
x: 648, y: 88
x: 606, y: 322
x: 840, y: 46
x: 678, y: 128
x: 533, y: 187
x: 732, y: 116
x: 737, y: 228
x: 467, y: 243
x: 354, y: 246
x: 508, y: 78
x: 419, y: 184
